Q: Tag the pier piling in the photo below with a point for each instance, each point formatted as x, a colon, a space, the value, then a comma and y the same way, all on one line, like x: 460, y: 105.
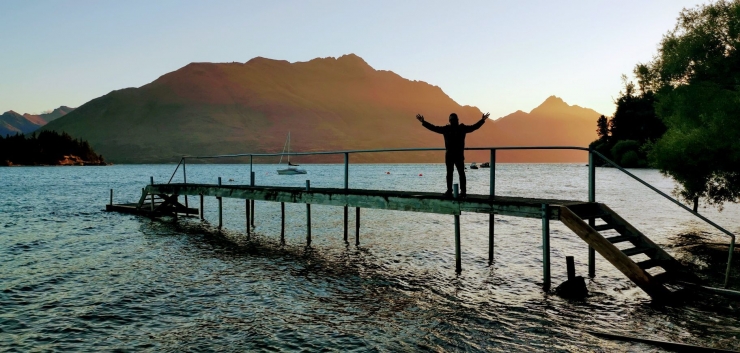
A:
x: 220, y: 208
x: 202, y: 217
x: 458, y: 260
x: 111, y: 197
x: 251, y: 183
x: 282, y: 222
x: 591, y: 221
x: 246, y: 212
x: 545, y: 246
x: 308, y: 216
x: 357, y: 226
x: 491, y: 195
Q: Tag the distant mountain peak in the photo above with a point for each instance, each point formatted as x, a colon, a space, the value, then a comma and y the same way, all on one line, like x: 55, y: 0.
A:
x: 551, y: 103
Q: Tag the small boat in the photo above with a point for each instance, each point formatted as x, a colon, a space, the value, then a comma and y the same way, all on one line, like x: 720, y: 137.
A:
x: 292, y: 168
x: 473, y: 166
x: 485, y: 165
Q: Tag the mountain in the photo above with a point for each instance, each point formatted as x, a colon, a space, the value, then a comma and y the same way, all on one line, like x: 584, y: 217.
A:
x: 12, y: 122
x: 552, y: 123
x: 52, y: 115
x: 327, y: 103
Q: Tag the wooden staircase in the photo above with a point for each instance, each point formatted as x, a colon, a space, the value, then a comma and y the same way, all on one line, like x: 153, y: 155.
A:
x: 630, y: 251
x: 161, y: 204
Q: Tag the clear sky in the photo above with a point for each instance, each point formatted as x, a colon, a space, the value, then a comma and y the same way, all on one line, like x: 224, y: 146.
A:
x: 500, y: 56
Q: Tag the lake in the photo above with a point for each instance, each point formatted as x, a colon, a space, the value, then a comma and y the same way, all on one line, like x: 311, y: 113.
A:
x: 73, y: 277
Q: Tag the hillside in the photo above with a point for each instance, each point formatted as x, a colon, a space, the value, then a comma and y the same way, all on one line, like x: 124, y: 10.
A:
x: 327, y: 104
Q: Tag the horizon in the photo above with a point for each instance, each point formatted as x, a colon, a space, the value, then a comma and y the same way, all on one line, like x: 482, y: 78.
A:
x: 101, y: 47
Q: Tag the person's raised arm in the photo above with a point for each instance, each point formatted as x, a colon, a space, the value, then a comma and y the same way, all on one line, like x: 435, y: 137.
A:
x: 477, y: 125
x: 432, y: 127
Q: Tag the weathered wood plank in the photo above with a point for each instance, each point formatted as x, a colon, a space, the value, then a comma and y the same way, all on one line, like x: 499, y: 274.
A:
x: 377, y: 199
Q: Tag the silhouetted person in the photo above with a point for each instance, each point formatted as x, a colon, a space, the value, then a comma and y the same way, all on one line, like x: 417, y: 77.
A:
x: 454, y: 134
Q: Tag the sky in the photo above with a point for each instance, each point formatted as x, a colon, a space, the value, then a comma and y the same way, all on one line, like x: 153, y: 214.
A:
x: 500, y: 56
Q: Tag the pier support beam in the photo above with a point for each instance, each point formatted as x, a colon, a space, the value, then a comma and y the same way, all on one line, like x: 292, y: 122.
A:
x: 246, y: 211
x: 346, y: 186
x: 458, y: 260
x: 545, y: 246
x: 491, y: 195
x: 251, y: 182
x: 111, y: 197
x: 308, y: 216
x: 282, y: 222
x: 220, y: 209
x: 151, y: 206
x: 202, y: 217
x: 591, y: 221
x: 357, y: 226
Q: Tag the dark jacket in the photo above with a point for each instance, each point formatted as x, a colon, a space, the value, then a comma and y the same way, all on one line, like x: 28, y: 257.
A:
x: 454, y: 135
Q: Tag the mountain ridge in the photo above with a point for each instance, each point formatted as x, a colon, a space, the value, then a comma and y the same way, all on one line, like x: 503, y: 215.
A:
x: 329, y: 104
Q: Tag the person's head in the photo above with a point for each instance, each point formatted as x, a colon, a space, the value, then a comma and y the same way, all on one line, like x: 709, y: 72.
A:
x: 453, y: 119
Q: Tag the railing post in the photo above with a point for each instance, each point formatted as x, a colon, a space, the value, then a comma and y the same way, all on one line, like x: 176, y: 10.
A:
x: 591, y: 221
x: 545, y: 246
x: 458, y: 260
x: 250, y: 164
x: 346, y: 186
x: 491, y: 195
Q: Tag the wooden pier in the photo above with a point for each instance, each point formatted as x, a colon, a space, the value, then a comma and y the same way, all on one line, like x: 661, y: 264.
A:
x: 588, y: 220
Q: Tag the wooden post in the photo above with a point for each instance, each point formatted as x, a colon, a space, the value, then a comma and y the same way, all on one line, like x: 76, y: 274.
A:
x: 246, y: 211
x: 282, y: 222
x: 308, y: 216
x: 151, y: 206
x: 591, y: 221
x: 346, y: 186
x: 491, y: 195
x: 201, y: 208
x: 545, y: 246
x: 357, y: 226
x: 251, y: 182
x: 111, y: 197
x: 571, y: 267
x: 220, y: 208
x: 458, y: 260
x: 185, y: 181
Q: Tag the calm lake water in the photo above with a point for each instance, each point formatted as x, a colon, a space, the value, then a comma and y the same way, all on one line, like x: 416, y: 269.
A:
x: 73, y: 277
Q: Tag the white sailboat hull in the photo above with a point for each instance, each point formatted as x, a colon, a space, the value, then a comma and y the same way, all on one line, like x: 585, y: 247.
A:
x: 291, y: 171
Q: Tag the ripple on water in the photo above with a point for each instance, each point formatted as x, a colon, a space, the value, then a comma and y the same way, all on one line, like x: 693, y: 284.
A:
x: 75, y: 278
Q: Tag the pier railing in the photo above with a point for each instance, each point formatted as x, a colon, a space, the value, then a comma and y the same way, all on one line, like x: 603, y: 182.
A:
x: 492, y: 181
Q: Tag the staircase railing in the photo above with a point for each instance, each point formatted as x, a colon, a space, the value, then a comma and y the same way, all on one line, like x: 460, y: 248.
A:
x: 492, y: 182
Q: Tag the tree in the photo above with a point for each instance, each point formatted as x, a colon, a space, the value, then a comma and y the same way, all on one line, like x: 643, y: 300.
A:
x: 696, y: 80
x: 602, y: 128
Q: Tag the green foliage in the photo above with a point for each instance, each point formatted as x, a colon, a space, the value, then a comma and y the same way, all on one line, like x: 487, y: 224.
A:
x: 696, y: 77
x: 48, y: 148
x: 634, y: 123
x: 628, y: 154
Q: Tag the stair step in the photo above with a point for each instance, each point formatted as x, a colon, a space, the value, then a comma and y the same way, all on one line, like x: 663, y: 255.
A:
x: 635, y: 251
x: 649, y: 264
x: 620, y: 239
x: 663, y: 277
x: 601, y: 227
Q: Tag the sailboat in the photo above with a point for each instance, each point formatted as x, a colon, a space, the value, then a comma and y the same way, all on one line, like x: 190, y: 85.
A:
x: 292, y: 168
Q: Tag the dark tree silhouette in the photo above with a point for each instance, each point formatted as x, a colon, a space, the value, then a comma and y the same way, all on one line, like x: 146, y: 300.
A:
x: 46, y: 148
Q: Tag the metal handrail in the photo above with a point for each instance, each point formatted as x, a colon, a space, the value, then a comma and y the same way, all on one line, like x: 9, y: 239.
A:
x: 591, y: 184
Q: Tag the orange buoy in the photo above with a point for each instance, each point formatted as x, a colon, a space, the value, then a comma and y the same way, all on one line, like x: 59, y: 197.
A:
x: 420, y: 174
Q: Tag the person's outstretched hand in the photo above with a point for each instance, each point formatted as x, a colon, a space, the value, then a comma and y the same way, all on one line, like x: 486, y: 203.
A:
x: 420, y: 117
x: 485, y: 116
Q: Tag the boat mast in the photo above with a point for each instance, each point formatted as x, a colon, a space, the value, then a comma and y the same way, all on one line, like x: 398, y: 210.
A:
x: 288, y: 147
x: 285, y: 144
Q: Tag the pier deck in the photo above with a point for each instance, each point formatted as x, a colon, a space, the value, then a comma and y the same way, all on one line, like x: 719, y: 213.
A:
x: 379, y: 199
